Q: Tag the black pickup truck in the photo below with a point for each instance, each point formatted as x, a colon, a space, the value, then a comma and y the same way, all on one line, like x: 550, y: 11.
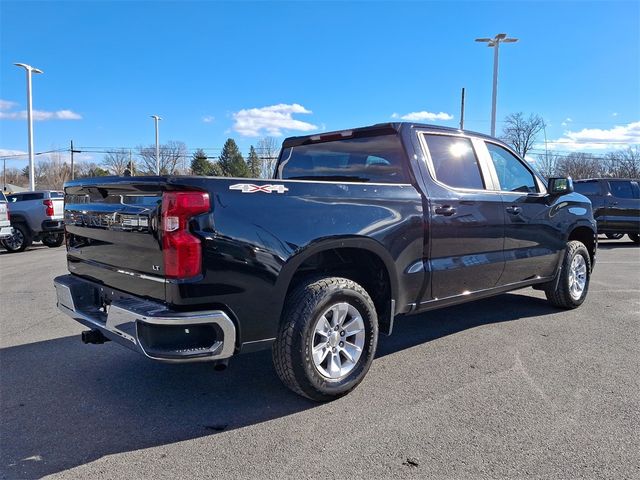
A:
x: 355, y: 228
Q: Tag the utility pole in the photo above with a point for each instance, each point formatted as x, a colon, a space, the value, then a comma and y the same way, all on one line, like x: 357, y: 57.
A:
x: 156, y: 118
x: 495, y: 43
x: 462, y: 110
x: 32, y: 170
x: 72, y: 165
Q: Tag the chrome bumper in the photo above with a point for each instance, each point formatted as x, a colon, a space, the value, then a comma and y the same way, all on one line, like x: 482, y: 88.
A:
x: 133, y: 322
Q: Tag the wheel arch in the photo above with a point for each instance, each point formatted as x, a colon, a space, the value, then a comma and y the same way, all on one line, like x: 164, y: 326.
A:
x: 336, y: 257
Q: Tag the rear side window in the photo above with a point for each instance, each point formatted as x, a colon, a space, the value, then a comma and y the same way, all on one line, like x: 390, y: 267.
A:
x: 512, y: 174
x: 24, y: 197
x: 621, y: 189
x: 454, y: 161
x: 587, y: 188
x: 378, y: 159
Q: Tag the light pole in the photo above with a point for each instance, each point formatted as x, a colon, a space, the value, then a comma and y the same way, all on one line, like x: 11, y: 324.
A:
x: 495, y: 43
x: 156, y: 119
x: 29, y: 69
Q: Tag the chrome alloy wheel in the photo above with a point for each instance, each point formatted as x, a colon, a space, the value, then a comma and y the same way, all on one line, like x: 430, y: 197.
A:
x: 338, y: 340
x: 577, y: 277
x: 15, y: 241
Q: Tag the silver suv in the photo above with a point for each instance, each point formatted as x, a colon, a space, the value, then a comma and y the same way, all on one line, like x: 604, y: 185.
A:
x: 35, y: 216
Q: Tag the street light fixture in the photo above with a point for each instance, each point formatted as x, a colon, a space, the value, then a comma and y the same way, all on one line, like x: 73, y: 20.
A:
x: 495, y: 43
x: 156, y: 119
x: 29, y: 69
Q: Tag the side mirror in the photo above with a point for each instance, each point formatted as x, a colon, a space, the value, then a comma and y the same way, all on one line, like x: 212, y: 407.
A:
x: 560, y: 185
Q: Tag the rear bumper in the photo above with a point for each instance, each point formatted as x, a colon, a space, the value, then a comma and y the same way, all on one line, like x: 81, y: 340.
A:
x: 148, y: 327
x: 53, y: 226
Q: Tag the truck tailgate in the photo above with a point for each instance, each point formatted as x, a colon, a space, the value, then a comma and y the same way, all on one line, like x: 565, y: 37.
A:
x: 113, y: 236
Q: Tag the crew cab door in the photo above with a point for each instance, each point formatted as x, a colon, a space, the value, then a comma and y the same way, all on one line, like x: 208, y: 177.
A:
x: 532, y: 244
x: 622, y: 206
x: 464, y: 241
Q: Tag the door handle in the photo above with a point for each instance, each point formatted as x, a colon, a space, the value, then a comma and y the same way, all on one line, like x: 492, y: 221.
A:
x: 513, y: 210
x: 446, y: 210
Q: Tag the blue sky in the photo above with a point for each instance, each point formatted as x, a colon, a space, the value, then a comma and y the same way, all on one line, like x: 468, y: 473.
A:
x: 214, y: 70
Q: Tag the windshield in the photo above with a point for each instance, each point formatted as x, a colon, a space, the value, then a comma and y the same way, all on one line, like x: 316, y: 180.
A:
x: 379, y: 159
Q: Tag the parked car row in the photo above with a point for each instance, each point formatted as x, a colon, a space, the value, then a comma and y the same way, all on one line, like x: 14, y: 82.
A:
x: 616, y: 205
x: 32, y: 217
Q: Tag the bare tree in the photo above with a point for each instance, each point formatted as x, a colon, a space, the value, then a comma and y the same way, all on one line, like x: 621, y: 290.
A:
x: 521, y: 132
x: 548, y: 164
x: 580, y: 165
x: 117, y: 161
x: 171, y: 153
x: 625, y: 163
x: 268, y: 149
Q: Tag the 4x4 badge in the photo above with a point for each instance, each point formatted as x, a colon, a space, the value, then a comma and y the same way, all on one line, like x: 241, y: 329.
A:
x: 250, y: 188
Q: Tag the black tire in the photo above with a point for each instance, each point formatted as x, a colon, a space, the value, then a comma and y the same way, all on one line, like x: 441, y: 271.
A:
x: 562, y: 296
x: 614, y: 236
x: 635, y: 237
x: 292, y: 350
x: 20, y: 240
x: 53, y: 240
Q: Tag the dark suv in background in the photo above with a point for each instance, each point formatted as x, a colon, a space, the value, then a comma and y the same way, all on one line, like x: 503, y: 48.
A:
x: 616, y: 205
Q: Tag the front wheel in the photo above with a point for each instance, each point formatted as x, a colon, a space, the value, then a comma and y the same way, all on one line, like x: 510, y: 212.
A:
x: 327, y: 338
x: 571, y: 288
x: 53, y: 240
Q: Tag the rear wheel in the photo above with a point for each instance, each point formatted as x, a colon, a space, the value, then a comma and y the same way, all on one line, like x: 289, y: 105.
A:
x: 20, y: 239
x: 327, y: 338
x: 571, y: 288
x: 635, y: 237
x: 614, y: 236
x: 53, y: 240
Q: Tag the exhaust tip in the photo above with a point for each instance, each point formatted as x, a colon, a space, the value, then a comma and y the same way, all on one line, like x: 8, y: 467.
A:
x: 221, y: 365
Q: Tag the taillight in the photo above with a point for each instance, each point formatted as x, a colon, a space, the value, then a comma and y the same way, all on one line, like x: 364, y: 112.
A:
x: 49, y: 209
x: 182, y: 253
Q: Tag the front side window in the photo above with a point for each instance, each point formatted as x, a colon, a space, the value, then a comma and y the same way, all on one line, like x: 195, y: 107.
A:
x: 378, y: 159
x: 621, y: 189
x: 512, y: 174
x: 454, y: 161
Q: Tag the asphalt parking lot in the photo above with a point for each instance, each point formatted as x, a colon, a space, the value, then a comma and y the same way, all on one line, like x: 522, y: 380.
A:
x: 502, y: 388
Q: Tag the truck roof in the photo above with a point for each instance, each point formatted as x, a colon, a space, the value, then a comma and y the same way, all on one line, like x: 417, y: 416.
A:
x: 379, y: 129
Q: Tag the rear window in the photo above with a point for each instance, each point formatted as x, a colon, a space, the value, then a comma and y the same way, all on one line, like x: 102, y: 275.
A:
x: 587, y: 188
x: 57, y: 194
x: 378, y: 159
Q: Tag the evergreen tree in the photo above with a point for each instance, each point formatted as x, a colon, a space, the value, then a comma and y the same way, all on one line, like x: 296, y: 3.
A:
x: 200, y: 165
x: 254, y: 163
x: 231, y: 162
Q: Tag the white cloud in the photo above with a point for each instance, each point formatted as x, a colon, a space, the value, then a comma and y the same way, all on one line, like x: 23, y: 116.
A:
x: 273, y: 120
x: 5, y: 152
x: 6, y: 106
x: 614, y: 114
x: 208, y: 118
x: 423, y: 115
x: 566, y: 121
x: 598, y: 138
